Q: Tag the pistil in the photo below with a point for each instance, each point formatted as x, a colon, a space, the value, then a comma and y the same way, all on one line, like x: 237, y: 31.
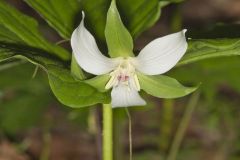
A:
x: 124, y: 74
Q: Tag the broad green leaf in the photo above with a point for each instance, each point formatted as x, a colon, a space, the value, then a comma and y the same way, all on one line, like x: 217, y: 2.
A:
x: 35, y: 55
x: 8, y: 36
x: 119, y: 40
x: 26, y: 29
x: 140, y: 15
x: 67, y: 89
x: 163, y: 87
x: 60, y: 14
x: 71, y: 92
x: 95, y: 12
x: 210, y: 48
x: 99, y: 82
x: 137, y: 15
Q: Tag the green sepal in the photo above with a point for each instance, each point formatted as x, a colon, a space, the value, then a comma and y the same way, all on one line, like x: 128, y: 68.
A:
x: 163, y: 86
x: 76, y: 69
x: 119, y: 40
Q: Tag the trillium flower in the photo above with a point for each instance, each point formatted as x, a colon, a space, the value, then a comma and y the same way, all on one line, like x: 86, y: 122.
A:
x: 125, y: 75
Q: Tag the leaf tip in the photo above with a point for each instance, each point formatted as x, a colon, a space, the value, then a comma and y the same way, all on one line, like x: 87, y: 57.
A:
x: 193, y: 89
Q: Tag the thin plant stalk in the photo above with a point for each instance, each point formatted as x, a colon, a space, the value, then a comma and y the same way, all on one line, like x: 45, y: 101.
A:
x: 166, y: 124
x: 182, y: 127
x: 46, y: 146
x: 107, y: 132
x: 129, y: 133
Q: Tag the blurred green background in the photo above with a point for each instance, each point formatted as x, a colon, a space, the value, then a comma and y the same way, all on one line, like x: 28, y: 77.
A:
x: 33, y: 125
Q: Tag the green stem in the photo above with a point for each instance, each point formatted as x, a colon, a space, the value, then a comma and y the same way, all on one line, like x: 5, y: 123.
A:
x: 35, y: 71
x: 166, y: 124
x: 129, y: 133
x: 46, y: 146
x: 182, y: 127
x: 107, y: 132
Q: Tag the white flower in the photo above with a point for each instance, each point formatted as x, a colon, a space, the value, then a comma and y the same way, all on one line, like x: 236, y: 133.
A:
x: 158, y: 57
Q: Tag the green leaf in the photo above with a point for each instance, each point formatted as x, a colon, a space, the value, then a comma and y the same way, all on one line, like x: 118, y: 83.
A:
x: 119, y: 40
x: 67, y: 89
x: 210, y: 48
x: 72, y: 92
x: 139, y: 15
x: 8, y: 36
x: 25, y: 28
x: 99, y: 82
x: 167, y: 2
x: 95, y: 16
x: 163, y: 87
x: 60, y: 14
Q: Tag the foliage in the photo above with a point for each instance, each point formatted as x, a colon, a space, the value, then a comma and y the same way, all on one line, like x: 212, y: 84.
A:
x: 23, y: 40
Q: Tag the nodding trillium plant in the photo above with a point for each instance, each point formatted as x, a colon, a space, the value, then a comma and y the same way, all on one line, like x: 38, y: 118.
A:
x: 124, y: 73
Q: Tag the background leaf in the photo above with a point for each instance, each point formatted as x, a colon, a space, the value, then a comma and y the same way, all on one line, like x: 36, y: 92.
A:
x: 60, y: 14
x: 67, y: 89
x: 137, y: 15
x: 17, y: 26
x: 210, y: 48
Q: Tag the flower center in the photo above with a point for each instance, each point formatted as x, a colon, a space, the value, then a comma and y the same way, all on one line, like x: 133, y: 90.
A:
x: 123, y: 78
x: 125, y: 75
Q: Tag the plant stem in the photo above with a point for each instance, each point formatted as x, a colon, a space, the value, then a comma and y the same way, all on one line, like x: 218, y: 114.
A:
x: 166, y: 124
x: 46, y: 146
x: 35, y: 71
x: 107, y: 132
x: 182, y: 127
x: 129, y: 133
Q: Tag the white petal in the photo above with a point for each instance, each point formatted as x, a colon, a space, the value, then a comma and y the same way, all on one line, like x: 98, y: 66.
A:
x: 87, y: 53
x: 162, y: 54
x: 125, y: 96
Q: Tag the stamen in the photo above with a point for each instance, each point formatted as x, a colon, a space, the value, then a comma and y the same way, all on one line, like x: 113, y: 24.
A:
x: 111, y: 82
x: 136, y: 81
x: 122, y: 75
